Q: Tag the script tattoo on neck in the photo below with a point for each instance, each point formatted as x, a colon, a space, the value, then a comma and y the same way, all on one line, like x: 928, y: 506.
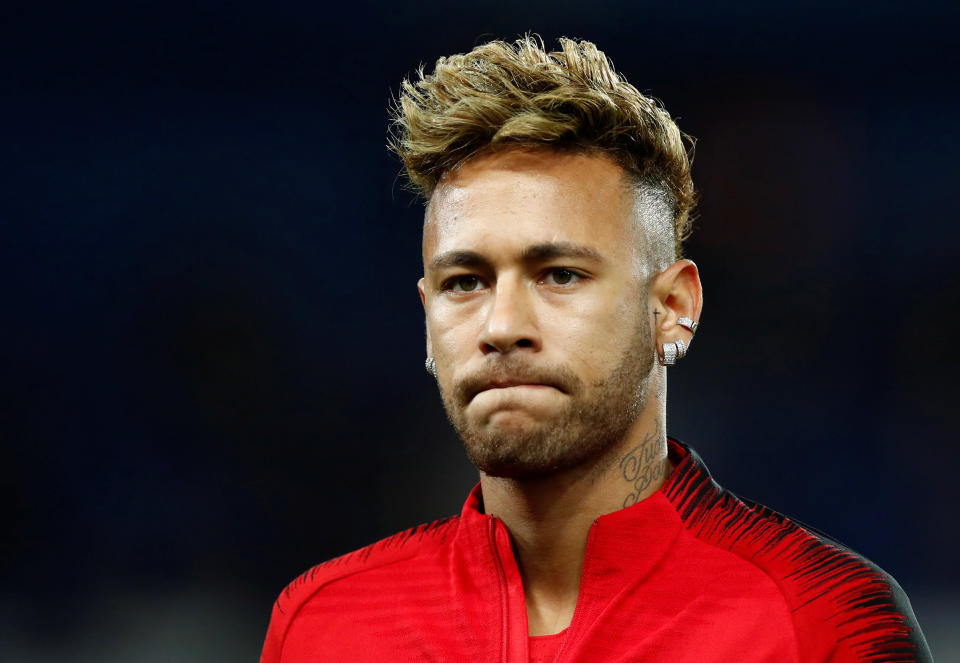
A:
x: 642, y: 465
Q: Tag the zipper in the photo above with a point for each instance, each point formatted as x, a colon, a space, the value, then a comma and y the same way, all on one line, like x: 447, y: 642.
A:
x: 580, y: 609
x: 504, y: 599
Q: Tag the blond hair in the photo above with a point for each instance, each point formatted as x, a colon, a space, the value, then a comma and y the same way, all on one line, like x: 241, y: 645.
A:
x: 502, y: 95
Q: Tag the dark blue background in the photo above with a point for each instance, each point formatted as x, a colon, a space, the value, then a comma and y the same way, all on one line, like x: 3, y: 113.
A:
x: 212, y: 343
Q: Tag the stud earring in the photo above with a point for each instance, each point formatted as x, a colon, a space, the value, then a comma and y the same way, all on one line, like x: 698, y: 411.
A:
x: 431, y: 365
x: 687, y: 323
x: 669, y: 356
x: 676, y: 350
x: 681, y: 349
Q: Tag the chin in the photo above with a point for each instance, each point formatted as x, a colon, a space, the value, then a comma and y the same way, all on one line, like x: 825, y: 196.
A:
x: 524, y: 450
x: 509, y: 468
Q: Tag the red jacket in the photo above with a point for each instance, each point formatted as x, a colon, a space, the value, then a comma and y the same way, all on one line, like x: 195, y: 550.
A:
x: 690, y: 574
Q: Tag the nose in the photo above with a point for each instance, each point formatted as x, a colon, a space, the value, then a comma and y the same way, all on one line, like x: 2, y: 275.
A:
x: 511, y: 321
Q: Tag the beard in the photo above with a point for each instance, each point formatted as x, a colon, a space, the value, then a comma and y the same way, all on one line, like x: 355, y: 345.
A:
x: 594, y: 419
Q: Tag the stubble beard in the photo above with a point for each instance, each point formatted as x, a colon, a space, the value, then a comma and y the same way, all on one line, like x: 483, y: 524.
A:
x: 592, y: 423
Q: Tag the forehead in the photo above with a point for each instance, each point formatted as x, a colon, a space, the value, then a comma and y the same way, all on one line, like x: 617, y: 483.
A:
x: 502, y: 202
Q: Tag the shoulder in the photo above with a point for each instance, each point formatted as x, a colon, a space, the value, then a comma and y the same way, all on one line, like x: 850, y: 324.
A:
x: 392, y: 551
x: 843, y: 606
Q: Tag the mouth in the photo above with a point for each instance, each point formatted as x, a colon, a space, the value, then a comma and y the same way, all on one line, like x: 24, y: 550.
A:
x: 512, y: 383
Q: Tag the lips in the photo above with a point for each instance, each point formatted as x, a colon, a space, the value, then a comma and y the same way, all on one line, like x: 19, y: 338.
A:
x: 510, y: 382
x: 512, y: 372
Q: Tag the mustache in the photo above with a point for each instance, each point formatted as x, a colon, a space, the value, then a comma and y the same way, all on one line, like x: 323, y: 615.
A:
x: 516, y: 369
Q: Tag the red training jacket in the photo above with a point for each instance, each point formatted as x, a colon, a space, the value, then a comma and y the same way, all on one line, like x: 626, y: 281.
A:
x: 691, y: 574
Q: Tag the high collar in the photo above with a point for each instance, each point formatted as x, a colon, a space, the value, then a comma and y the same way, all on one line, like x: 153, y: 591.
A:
x: 622, y: 547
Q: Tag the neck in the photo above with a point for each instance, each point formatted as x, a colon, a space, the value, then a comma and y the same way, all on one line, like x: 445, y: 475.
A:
x: 550, y: 517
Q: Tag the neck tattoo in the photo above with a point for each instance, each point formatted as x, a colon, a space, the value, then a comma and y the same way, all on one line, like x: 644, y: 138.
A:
x: 642, y: 466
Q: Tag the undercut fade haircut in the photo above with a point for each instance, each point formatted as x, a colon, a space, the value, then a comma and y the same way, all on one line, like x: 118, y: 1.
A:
x: 502, y: 96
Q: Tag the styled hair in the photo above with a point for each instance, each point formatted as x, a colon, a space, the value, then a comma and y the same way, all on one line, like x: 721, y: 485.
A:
x: 502, y: 96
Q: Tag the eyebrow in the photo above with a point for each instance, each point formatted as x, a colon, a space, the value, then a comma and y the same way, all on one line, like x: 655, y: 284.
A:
x: 458, y: 259
x: 551, y: 250
x: 534, y: 253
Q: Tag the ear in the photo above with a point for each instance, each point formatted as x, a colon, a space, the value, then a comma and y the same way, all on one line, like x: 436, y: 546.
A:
x: 423, y: 301
x: 675, y: 293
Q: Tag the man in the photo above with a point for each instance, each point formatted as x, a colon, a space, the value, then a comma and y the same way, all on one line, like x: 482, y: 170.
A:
x: 557, y: 199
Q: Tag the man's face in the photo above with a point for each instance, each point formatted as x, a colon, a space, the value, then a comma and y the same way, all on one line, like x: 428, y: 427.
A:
x: 536, y: 309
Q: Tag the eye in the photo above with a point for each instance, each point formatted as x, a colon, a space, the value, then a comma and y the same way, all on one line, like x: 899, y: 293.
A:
x: 462, y: 283
x: 562, y: 276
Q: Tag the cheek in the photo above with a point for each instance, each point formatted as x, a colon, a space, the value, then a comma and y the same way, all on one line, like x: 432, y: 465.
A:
x: 452, y: 332
x: 585, y: 340
x: 593, y: 333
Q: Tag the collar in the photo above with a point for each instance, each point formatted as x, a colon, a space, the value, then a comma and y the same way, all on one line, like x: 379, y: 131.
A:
x: 622, y: 548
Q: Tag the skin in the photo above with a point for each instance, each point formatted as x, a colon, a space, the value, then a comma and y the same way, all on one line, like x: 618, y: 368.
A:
x: 540, y: 312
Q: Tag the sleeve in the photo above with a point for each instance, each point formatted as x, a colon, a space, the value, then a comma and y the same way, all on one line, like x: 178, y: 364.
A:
x: 276, y: 631
x: 910, y: 649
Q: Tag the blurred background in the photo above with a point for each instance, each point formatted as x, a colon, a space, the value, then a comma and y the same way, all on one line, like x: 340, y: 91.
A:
x: 212, y: 345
